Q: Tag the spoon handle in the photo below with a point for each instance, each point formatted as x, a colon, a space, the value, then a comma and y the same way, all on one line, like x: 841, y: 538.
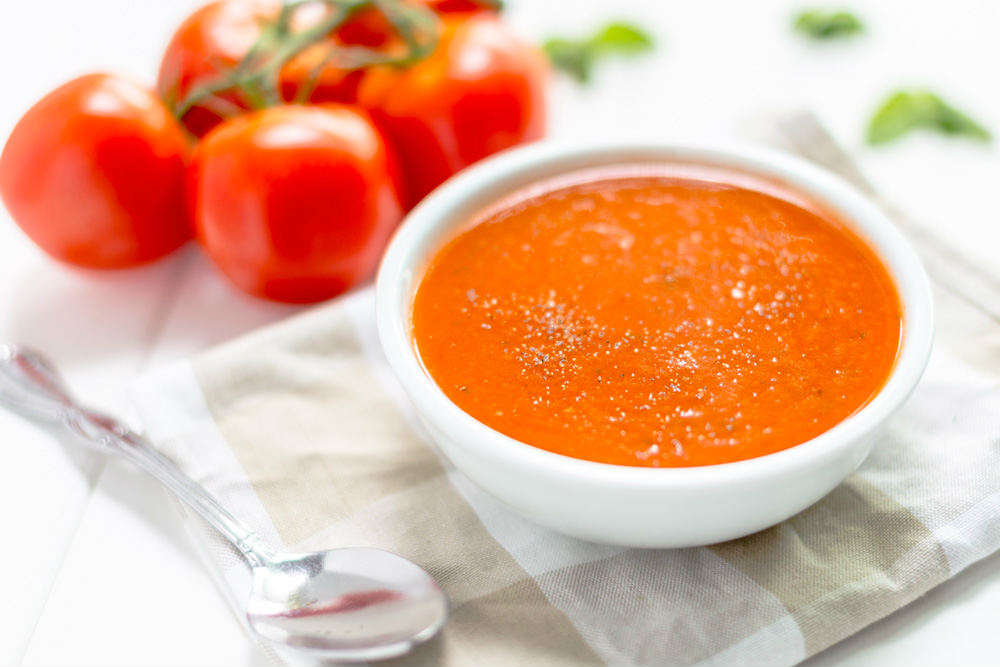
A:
x: 31, y: 387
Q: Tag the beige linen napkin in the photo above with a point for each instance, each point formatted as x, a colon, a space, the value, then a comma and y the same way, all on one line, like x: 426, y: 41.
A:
x: 301, y: 430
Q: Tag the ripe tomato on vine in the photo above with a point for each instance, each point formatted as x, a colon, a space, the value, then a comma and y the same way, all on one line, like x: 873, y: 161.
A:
x: 318, y: 123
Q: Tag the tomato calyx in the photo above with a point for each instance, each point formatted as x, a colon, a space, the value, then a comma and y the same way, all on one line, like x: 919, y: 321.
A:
x: 257, y: 76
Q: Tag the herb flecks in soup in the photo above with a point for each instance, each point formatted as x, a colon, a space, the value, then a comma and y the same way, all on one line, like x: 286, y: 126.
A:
x: 655, y: 321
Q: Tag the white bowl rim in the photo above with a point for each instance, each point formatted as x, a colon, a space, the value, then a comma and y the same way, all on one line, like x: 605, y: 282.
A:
x: 817, y: 184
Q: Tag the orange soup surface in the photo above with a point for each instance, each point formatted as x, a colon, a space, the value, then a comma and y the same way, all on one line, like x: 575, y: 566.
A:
x: 657, y: 320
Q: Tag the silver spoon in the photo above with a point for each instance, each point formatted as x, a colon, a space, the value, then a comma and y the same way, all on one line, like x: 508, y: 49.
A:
x: 344, y: 605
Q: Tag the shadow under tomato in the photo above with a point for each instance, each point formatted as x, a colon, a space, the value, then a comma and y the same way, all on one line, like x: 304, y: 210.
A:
x: 132, y: 320
x: 84, y: 317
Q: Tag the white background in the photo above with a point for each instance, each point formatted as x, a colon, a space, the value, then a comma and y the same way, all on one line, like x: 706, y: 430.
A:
x: 97, y: 569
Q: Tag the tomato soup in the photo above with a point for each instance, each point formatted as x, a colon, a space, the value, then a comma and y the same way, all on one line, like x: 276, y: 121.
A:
x: 658, y: 319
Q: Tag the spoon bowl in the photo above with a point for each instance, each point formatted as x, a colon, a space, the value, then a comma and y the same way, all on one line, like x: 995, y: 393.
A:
x: 355, y: 604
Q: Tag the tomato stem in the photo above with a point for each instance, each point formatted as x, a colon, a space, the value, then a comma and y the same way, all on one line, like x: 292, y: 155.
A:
x: 257, y: 75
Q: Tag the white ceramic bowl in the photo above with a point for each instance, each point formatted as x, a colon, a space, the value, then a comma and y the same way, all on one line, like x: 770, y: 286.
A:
x: 633, y: 506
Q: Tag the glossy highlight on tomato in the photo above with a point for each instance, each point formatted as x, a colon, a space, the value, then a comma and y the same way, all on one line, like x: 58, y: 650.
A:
x: 94, y: 173
x: 296, y: 203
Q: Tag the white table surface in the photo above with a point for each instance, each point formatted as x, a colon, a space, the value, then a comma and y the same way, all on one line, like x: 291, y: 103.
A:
x: 97, y: 568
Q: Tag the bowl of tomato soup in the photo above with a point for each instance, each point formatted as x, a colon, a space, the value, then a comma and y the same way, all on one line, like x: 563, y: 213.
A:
x: 656, y: 346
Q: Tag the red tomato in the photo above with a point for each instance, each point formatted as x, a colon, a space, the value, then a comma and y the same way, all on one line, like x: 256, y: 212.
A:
x: 296, y: 203
x: 214, y: 39
x: 369, y: 27
x: 481, y: 91
x: 94, y: 174
x: 326, y: 82
x: 217, y: 37
x: 459, y: 6
x: 211, y: 41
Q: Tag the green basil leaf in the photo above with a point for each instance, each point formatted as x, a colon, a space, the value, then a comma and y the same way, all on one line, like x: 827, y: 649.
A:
x: 576, y: 57
x: 952, y: 121
x: 907, y: 110
x: 897, y: 116
x: 622, y: 38
x: 822, y: 24
x: 573, y: 58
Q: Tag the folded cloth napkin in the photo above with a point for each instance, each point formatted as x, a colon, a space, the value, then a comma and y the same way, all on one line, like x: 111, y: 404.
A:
x: 301, y: 430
